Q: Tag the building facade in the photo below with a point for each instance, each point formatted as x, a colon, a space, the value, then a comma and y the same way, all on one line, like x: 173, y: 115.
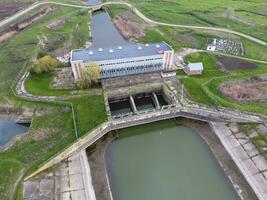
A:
x: 123, y: 60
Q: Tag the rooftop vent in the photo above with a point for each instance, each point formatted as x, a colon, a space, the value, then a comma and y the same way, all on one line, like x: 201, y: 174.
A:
x: 120, y: 47
x: 139, y: 48
x: 147, y: 45
x: 111, y: 51
x: 158, y: 46
x: 100, y: 49
x: 91, y: 53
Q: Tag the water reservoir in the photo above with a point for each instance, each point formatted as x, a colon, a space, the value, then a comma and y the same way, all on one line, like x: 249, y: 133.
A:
x: 164, y: 161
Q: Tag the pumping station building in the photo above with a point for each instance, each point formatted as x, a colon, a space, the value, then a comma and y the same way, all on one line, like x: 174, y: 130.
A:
x: 124, y: 60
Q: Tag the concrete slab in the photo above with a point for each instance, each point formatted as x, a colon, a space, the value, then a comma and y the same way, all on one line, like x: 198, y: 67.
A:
x: 62, y: 170
x: 65, y: 196
x: 243, y: 141
x: 233, y: 127
x: 232, y: 141
x: 250, y: 167
x: 250, y: 149
x: 265, y: 175
x: 240, y: 153
x: 30, y: 189
x: 75, y: 167
x: 79, y: 195
x: 262, y: 129
x: 260, y: 182
x: 241, y: 136
x: 46, y: 187
x: 253, y: 134
x: 260, y: 162
x: 76, y: 182
x: 64, y: 184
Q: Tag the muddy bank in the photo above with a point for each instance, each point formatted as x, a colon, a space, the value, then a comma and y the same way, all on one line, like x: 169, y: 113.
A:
x: 12, y: 30
x: 96, y: 157
x: 129, y: 27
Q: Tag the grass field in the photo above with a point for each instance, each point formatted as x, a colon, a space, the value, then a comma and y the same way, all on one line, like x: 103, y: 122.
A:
x: 20, y: 50
x: 52, y: 129
x: 204, y: 88
x: 210, y: 13
x: 179, y: 37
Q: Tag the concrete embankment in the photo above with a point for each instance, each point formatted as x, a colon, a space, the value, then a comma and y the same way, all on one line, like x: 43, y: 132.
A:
x: 248, y: 166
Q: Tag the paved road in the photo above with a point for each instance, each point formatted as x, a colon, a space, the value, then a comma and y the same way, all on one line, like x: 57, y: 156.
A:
x: 138, y: 13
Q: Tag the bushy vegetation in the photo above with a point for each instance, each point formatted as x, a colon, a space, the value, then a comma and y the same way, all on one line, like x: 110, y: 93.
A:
x: 44, y: 65
x: 90, y: 76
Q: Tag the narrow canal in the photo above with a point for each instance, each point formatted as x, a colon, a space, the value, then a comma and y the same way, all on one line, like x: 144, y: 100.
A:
x: 164, y: 161
x: 9, y: 129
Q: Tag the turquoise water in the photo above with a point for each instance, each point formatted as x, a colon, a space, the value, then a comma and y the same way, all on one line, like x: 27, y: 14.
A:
x: 163, y: 161
x: 9, y: 129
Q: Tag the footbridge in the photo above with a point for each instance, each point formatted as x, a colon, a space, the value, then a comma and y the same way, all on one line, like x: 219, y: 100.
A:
x: 168, y: 112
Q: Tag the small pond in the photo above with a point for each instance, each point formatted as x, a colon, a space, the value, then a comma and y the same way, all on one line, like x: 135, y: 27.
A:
x: 9, y: 129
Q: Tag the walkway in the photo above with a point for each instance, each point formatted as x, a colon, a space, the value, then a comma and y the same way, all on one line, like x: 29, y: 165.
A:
x: 69, y: 180
x: 252, y: 166
x: 147, y: 117
x: 137, y: 12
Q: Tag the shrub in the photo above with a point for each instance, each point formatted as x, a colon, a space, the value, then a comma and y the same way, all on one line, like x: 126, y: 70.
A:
x: 44, y: 65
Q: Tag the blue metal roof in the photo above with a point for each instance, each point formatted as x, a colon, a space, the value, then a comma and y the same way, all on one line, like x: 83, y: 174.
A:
x: 119, y: 52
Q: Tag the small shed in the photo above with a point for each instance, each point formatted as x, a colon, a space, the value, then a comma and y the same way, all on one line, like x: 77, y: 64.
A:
x: 193, y: 68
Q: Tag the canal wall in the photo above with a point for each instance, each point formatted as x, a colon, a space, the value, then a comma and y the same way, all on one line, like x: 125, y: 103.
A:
x: 252, y: 173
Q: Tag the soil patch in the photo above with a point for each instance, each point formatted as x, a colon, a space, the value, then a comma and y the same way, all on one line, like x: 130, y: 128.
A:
x: 251, y: 89
x: 57, y: 24
x: 8, y: 9
x: 129, y: 27
x: 234, y: 63
x: 18, y: 27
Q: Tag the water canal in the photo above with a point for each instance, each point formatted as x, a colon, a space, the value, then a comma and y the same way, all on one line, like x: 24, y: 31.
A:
x: 164, y: 161
x: 9, y: 129
x: 160, y: 160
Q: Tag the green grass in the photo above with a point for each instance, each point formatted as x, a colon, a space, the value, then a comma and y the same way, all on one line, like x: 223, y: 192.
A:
x: 204, y: 88
x: 193, y: 83
x: 52, y: 129
x: 180, y: 37
x: 40, y: 84
x: 90, y: 112
x: 16, y: 53
x: 208, y: 13
x: 48, y: 135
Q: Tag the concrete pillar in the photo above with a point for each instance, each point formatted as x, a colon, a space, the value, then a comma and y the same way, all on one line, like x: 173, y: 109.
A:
x: 131, y: 99
x: 155, y: 100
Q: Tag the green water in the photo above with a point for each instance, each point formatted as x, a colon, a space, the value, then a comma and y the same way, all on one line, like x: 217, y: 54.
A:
x: 120, y: 107
x: 144, y: 103
x: 163, y: 161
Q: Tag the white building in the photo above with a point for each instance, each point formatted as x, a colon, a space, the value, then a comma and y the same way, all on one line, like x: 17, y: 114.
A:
x: 124, y: 60
x: 193, y: 69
